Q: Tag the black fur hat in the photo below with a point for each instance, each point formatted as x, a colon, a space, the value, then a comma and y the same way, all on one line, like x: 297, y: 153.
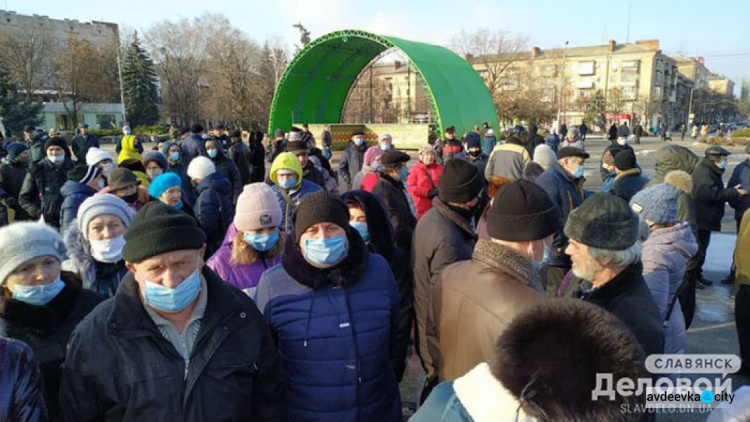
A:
x: 551, y: 353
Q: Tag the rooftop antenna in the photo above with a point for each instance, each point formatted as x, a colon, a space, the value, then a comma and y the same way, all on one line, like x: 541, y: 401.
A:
x: 604, y: 32
x: 627, y: 37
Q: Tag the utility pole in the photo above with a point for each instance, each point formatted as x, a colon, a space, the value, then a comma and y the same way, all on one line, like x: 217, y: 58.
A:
x: 122, y: 91
x: 562, y: 86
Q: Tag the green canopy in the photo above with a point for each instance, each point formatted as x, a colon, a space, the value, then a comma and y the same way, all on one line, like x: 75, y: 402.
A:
x: 315, y: 85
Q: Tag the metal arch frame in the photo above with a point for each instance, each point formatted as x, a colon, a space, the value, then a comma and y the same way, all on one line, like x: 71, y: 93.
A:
x: 294, y: 69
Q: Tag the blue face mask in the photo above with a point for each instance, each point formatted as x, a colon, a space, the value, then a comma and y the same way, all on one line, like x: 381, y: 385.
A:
x: 56, y: 159
x: 175, y: 156
x: 212, y: 153
x: 722, y: 165
x: 385, y: 147
x: 579, y: 172
x: 173, y: 300
x: 539, y: 265
x: 288, y: 183
x: 362, y: 229
x: 324, y: 253
x: 403, y: 174
x: 359, y: 141
x: 38, y: 294
x: 179, y: 205
x: 261, y: 242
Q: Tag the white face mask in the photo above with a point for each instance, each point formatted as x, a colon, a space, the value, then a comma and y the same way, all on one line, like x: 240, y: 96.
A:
x: 107, y: 250
x: 107, y: 169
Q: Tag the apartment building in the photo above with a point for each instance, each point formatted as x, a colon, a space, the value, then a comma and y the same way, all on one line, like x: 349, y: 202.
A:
x: 721, y: 84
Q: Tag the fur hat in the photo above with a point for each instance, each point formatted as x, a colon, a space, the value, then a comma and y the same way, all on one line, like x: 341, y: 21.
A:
x: 552, y: 353
x: 162, y: 183
x: 495, y: 183
x: 603, y: 221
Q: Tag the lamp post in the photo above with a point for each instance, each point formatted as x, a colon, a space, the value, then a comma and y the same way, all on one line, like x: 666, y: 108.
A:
x: 562, y: 86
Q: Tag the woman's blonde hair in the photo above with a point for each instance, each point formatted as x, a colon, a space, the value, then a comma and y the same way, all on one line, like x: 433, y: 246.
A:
x: 243, y: 254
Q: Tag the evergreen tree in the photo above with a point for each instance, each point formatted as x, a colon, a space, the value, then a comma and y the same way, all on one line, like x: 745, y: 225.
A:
x: 139, y: 86
x: 15, y: 112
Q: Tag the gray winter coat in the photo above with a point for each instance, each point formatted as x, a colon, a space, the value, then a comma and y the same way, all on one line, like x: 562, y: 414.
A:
x: 664, y: 256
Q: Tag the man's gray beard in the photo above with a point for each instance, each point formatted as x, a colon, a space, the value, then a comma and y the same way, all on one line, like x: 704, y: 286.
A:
x: 586, y: 275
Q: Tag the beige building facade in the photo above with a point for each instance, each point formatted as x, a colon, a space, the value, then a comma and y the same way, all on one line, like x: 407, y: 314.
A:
x: 721, y: 84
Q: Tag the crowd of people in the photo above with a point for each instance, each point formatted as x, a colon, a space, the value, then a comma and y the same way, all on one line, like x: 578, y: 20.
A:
x: 186, y: 282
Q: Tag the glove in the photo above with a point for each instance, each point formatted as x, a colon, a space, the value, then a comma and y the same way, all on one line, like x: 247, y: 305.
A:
x: 432, y: 193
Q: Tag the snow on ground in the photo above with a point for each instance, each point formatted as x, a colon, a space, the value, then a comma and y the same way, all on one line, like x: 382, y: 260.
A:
x: 720, y: 253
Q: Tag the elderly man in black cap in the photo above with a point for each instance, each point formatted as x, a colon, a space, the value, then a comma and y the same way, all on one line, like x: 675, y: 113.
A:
x: 476, y: 299
x: 175, y: 342
x: 352, y: 157
x: 564, y: 184
x: 710, y: 199
x: 82, y: 142
x: 606, y: 257
x: 391, y: 190
x: 444, y: 235
x: 40, y: 193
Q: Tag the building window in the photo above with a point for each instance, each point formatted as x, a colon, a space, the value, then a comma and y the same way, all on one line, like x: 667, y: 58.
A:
x: 106, y: 121
x: 586, y: 68
x: 64, y: 122
x: 629, y: 92
x: 628, y: 77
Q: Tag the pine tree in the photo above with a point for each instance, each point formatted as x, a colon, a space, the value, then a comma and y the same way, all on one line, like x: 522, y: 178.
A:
x: 14, y: 111
x: 139, y: 86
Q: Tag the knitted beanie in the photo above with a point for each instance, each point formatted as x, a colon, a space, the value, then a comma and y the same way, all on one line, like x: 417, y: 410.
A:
x: 472, y: 140
x: 14, y: 149
x: 24, y: 241
x: 522, y: 211
x: 603, y: 221
x: 657, y: 203
x: 162, y: 182
x: 319, y: 207
x: 84, y: 174
x: 56, y: 141
x: 156, y: 157
x: 96, y: 156
x: 625, y: 159
x: 159, y: 228
x: 200, y: 168
x: 370, y: 155
x: 460, y: 182
x: 544, y: 156
x: 102, y: 204
x: 257, y: 208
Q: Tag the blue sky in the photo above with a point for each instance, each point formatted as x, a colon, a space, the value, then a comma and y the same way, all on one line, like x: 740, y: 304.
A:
x: 719, y: 30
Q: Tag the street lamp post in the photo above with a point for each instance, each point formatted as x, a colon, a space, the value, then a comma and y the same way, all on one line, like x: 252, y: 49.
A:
x: 562, y: 86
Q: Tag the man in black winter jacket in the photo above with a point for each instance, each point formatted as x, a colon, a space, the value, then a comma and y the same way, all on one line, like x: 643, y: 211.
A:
x: 82, y: 142
x: 13, y: 169
x: 710, y: 199
x: 242, y: 157
x: 352, y: 158
x: 40, y: 194
x: 175, y: 342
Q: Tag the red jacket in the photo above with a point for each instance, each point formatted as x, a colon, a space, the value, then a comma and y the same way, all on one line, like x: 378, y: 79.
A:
x: 421, y: 180
x: 369, y: 181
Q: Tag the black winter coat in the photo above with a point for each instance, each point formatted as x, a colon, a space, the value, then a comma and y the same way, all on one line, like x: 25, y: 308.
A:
x: 351, y: 162
x: 612, y: 134
x: 628, y: 184
x: 12, y: 174
x: 228, y: 168
x: 393, y: 195
x: 74, y: 194
x: 240, y: 154
x: 257, y: 159
x: 213, y: 209
x: 710, y: 195
x: 119, y: 366
x: 40, y: 194
x: 627, y: 297
x: 312, y: 174
x: 82, y: 143
x: 442, y: 237
x: 46, y: 329
x: 21, y: 395
x: 612, y: 151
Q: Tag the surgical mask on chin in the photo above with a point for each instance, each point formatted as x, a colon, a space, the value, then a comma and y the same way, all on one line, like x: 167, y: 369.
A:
x: 539, y: 265
x: 212, y: 153
x: 364, y: 232
x: 107, y: 250
x: 173, y: 300
x: 56, y: 159
x: 107, y: 169
x: 38, y: 294
x: 261, y: 242
x: 288, y: 183
x: 325, y: 253
x: 578, y: 173
x: 175, y: 155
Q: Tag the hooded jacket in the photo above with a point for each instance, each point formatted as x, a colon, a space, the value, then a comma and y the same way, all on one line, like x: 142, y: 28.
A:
x: 46, y: 329
x: 21, y: 386
x: 335, y: 329
x: 664, y: 256
x: 120, y: 367
x: 101, y: 277
x: 228, y: 168
x: 671, y: 158
x: 351, y: 161
x: 475, y: 301
x: 129, y: 149
x: 710, y: 195
x: 381, y: 243
x: 628, y: 183
x: 393, y: 195
x: 442, y: 237
x: 74, y: 194
x: 213, y: 209
x: 40, y: 194
x: 242, y: 157
x: 422, y: 179
x: 193, y: 146
x: 289, y: 198
x: 180, y: 169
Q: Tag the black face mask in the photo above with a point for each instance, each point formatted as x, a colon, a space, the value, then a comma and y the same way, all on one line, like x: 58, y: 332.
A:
x: 475, y: 153
x: 130, y: 199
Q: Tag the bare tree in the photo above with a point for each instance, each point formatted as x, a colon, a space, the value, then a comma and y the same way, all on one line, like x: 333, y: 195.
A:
x: 491, y: 51
x: 27, y: 54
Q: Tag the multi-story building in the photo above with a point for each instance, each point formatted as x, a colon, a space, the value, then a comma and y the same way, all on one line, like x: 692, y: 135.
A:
x: 693, y: 68
x: 745, y: 90
x: 56, y: 32
x: 721, y: 84
x: 637, y: 80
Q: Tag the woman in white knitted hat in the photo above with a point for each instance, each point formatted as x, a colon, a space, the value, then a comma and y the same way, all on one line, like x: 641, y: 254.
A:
x: 40, y: 304
x: 95, y: 241
x: 253, y: 243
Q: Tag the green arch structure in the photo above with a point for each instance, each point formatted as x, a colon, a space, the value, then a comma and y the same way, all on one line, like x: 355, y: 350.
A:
x: 315, y: 85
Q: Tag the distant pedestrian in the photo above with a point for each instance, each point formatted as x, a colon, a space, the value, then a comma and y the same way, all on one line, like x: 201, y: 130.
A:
x: 352, y: 158
x: 423, y: 180
x: 327, y: 141
x: 563, y: 131
x: 612, y: 134
x: 584, y: 130
x: 683, y: 131
x: 451, y: 145
x: 82, y: 142
x: 638, y: 132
